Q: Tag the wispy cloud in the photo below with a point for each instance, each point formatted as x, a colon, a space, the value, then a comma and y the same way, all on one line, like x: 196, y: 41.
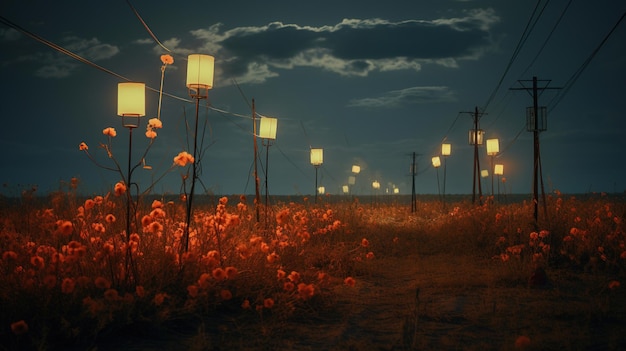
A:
x: 409, y: 96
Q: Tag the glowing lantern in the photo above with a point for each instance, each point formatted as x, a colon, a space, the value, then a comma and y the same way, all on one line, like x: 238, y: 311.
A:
x: 356, y: 169
x: 131, y: 101
x: 498, y: 169
x: 200, y: 70
x: 317, y: 157
x: 436, y: 162
x: 446, y: 149
x: 267, y: 128
x: 493, y: 147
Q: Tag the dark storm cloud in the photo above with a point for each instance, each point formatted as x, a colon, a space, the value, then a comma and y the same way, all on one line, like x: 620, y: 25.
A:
x: 353, y: 46
x: 414, y: 40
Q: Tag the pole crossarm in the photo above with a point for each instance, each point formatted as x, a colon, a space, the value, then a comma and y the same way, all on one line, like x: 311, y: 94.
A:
x: 534, y: 91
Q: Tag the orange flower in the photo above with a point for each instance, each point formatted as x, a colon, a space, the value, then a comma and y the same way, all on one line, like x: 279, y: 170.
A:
x: 365, y: 242
x: 110, y: 131
x: 613, y: 284
x: 225, y: 294
x: 160, y: 298
x: 219, y: 274
x: 167, y: 59
x: 140, y: 291
x: 83, y: 146
x: 110, y: 218
x: 192, y: 290
x: 120, y: 188
x: 522, y: 342
x: 89, y: 204
x: 102, y: 283
x: 68, y: 285
x: 288, y: 286
x: 19, y: 327
x: 151, y: 134
x: 268, y: 303
x: 183, y: 158
x: 306, y: 291
x: 349, y: 281
x: 245, y: 304
x: 294, y: 276
x: 9, y: 256
x: 111, y: 295
x: 231, y: 272
x: 38, y: 262
x: 273, y: 257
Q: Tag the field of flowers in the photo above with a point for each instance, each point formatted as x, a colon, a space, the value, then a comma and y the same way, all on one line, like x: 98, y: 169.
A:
x: 326, y: 275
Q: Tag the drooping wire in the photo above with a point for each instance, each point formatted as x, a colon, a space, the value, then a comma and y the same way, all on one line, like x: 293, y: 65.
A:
x: 516, y: 52
x: 145, y: 25
x: 545, y: 42
x: 570, y: 82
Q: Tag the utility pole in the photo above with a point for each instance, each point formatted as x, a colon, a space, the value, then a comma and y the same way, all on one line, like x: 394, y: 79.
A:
x: 476, y: 139
x: 532, y: 124
x: 413, y: 175
x: 257, y: 198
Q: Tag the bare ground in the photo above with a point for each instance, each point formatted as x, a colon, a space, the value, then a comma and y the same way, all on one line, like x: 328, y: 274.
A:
x: 433, y: 302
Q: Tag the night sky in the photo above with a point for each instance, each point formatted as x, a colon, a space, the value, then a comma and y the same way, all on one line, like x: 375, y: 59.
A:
x: 370, y: 82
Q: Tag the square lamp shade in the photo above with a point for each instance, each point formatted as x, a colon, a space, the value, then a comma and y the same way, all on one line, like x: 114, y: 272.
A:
x: 476, y: 136
x: 356, y: 169
x: 436, y: 161
x: 375, y: 184
x: 493, y: 147
x: 267, y: 128
x: 498, y: 169
x: 345, y: 189
x: 351, y: 180
x: 445, y: 149
x: 131, y: 99
x: 484, y: 173
x: 200, y: 73
x: 317, y: 157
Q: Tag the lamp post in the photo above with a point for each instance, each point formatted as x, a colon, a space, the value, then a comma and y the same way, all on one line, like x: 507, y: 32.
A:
x: 375, y: 188
x: 199, y: 82
x: 493, y: 147
x: 445, y: 152
x: 498, y: 170
x: 267, y: 132
x: 317, y: 158
x: 356, y: 169
x: 437, y: 163
x: 131, y: 106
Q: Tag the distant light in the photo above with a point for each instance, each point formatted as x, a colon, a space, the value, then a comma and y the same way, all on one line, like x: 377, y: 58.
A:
x: 346, y: 189
x: 493, y: 147
x: 267, y: 128
x: 356, y: 169
x: 375, y: 184
x: 321, y: 190
x: 317, y: 157
x: 498, y: 169
x: 436, y: 161
x: 473, y: 136
x: 484, y: 173
x: 396, y: 191
x: 200, y: 74
x: 446, y: 149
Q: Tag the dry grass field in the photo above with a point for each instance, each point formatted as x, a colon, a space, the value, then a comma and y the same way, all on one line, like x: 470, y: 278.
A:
x: 326, y: 276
